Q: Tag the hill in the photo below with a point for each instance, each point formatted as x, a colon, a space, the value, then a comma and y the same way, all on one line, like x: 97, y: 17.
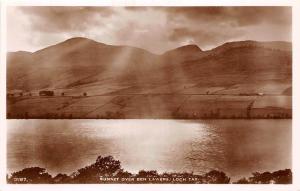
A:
x: 81, y: 61
x: 137, y: 81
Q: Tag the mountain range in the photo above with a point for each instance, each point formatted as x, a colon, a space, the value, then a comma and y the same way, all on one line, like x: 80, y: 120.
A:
x: 78, y: 63
x: 245, y: 79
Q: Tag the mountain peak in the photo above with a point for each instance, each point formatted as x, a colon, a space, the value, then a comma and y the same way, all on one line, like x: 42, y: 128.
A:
x: 78, y: 40
x: 72, y: 42
x: 189, y: 47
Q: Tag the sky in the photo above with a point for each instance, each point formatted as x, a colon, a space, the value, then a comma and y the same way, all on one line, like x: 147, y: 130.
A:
x: 156, y: 29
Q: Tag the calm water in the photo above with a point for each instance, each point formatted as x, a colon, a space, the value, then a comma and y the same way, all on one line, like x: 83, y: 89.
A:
x: 237, y: 147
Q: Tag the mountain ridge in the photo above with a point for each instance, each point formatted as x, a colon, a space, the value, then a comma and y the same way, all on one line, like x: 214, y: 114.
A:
x: 188, y: 45
x: 81, y: 61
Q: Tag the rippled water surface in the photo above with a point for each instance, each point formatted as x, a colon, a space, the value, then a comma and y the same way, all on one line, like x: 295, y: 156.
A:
x: 237, y: 147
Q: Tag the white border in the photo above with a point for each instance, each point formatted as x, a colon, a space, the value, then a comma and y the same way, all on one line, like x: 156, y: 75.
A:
x: 152, y: 2
x: 3, y: 96
x: 296, y: 95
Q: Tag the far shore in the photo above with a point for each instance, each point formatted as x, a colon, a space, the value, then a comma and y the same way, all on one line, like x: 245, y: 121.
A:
x: 150, y: 106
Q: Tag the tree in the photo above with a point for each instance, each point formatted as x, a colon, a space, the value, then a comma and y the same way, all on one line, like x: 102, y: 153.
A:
x: 283, y: 176
x: 61, y: 179
x: 277, y: 177
x: 34, y: 175
x: 261, y: 178
x: 242, y: 181
x: 104, y: 166
x: 107, y: 165
x: 216, y: 177
x: 123, y: 174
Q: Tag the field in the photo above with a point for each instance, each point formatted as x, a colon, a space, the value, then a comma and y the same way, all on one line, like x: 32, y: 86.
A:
x: 154, y: 106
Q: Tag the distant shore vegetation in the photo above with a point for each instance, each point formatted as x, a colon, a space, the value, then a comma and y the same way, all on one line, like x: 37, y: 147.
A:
x: 122, y: 115
x: 107, y: 170
x: 152, y: 106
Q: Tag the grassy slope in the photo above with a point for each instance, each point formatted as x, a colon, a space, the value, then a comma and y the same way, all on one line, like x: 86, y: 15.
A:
x: 137, y: 84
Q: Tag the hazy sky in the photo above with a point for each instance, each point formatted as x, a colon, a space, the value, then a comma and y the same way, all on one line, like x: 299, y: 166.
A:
x: 156, y: 29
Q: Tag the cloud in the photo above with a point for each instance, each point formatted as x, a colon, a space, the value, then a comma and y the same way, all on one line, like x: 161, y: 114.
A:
x: 63, y: 19
x: 202, y: 37
x: 236, y: 16
x: 156, y: 29
x: 211, y: 26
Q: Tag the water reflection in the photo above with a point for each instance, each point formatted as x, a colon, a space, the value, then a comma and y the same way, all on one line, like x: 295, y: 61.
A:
x: 237, y: 147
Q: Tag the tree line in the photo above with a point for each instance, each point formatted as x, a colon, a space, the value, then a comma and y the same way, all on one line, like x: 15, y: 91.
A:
x: 108, y: 169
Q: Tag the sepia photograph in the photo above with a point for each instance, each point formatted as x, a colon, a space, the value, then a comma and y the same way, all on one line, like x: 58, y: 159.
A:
x: 149, y: 94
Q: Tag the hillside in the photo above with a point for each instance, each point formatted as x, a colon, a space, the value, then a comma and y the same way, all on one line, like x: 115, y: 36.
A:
x: 143, y: 79
x: 73, y: 62
x: 81, y: 61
